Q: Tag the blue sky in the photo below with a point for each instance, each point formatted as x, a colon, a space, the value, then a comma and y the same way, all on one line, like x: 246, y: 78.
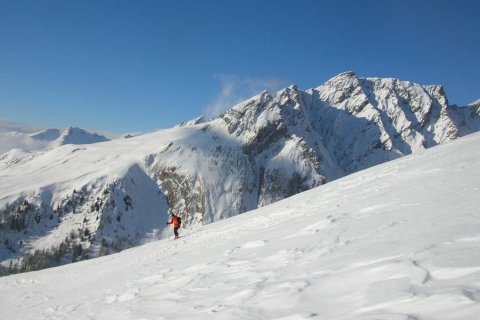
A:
x: 127, y: 66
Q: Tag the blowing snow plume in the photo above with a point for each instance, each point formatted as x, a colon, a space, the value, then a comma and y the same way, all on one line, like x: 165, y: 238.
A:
x: 234, y: 89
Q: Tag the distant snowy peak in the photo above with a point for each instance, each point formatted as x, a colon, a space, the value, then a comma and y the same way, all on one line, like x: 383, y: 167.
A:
x: 79, y: 136
x: 15, y: 135
x: 59, y: 137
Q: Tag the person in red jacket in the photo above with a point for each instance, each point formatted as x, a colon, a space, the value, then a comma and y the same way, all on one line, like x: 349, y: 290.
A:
x: 176, y: 221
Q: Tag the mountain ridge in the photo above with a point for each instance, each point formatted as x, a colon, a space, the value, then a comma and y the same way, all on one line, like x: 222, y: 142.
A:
x: 260, y: 151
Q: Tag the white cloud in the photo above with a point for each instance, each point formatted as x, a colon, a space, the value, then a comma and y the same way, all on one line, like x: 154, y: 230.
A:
x: 234, y: 89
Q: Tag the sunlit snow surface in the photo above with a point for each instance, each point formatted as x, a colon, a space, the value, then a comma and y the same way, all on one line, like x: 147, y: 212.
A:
x: 396, y: 241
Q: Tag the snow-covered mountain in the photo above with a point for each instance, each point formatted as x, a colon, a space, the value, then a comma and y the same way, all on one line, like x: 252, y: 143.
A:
x: 75, y: 202
x: 396, y: 241
x: 20, y: 142
x: 58, y: 137
x: 30, y: 138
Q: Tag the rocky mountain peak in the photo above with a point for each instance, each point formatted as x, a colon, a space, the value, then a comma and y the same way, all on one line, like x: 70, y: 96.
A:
x: 262, y: 150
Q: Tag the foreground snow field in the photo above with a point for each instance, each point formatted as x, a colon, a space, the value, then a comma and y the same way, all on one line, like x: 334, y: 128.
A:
x: 396, y: 241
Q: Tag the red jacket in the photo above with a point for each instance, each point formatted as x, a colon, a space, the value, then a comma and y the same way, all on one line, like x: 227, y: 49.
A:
x: 175, y: 222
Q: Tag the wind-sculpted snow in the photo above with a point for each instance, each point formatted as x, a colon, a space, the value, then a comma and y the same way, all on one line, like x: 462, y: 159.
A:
x: 89, y: 199
x: 396, y: 241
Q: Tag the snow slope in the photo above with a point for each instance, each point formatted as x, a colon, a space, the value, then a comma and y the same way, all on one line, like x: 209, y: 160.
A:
x: 396, y: 241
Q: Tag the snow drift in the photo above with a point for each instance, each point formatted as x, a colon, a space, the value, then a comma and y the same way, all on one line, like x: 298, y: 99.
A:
x: 396, y: 241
